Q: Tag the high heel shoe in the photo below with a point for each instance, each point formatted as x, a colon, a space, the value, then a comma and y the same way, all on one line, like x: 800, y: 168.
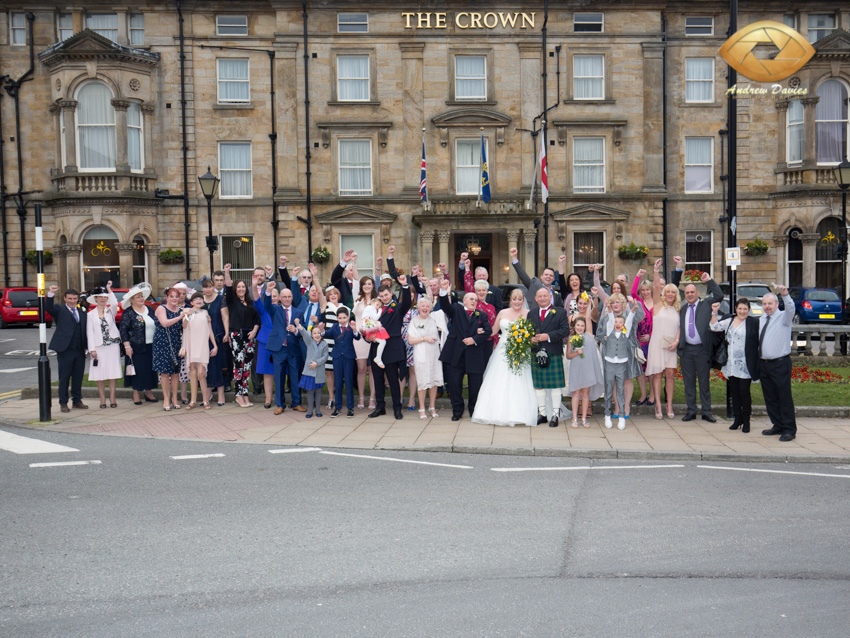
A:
x: 574, y: 424
x: 434, y: 413
x: 735, y: 425
x: 658, y: 414
x: 746, y: 428
x: 422, y: 414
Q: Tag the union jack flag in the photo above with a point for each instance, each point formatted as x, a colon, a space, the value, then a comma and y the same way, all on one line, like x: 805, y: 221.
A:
x: 423, y: 182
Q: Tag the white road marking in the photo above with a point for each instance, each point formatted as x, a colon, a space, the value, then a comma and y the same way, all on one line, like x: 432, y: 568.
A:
x: 12, y: 370
x: 196, y: 456
x: 748, y: 469
x: 25, y: 445
x: 6, y: 340
x: 65, y: 463
x: 581, y: 467
x: 295, y: 449
x: 387, y: 458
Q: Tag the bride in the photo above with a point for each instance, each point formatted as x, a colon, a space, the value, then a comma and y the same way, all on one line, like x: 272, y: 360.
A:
x: 506, y: 398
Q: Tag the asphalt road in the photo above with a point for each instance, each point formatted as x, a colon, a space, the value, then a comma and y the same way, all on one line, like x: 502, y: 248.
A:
x: 340, y: 544
x: 19, y: 358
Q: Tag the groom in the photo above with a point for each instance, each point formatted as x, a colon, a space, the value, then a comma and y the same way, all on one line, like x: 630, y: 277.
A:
x: 551, y: 327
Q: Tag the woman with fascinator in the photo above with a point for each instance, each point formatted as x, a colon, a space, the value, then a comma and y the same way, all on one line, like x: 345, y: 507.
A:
x: 137, y: 330
x: 103, y: 339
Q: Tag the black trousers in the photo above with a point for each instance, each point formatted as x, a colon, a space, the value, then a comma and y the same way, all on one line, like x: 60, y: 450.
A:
x: 455, y: 382
x: 696, y: 366
x: 739, y: 390
x: 391, y: 370
x: 776, y: 384
x: 72, y: 367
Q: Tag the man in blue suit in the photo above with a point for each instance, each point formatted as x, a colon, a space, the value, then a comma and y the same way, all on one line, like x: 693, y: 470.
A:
x: 283, y: 345
x: 343, y: 356
x: 69, y: 344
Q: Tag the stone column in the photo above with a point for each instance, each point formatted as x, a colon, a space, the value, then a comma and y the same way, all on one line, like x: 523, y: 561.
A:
x: 779, y: 244
x: 782, y: 117
x: 56, y: 112
x: 513, y: 238
x: 443, y: 236
x: 122, y: 163
x: 288, y: 118
x: 653, y: 151
x: 69, y: 108
x: 147, y: 117
x: 413, y: 111
x: 74, y: 265
x: 123, y: 26
x: 810, y: 246
x: 529, y: 72
x: 528, y: 236
x: 152, y: 262
x: 125, y: 263
x: 809, y: 152
x: 426, y: 250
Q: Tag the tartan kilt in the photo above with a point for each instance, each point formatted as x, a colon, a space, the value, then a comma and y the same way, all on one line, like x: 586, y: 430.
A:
x: 550, y: 377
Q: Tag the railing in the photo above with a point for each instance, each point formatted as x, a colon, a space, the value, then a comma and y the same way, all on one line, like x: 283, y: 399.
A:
x: 818, y: 339
x: 796, y: 176
x: 95, y: 183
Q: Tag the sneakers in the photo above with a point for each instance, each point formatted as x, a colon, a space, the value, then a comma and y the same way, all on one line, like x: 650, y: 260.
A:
x: 350, y: 413
x: 608, y: 423
x: 621, y: 423
x: 335, y: 413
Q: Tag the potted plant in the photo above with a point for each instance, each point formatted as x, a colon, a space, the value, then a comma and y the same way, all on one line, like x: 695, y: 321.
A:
x: 171, y: 256
x: 32, y: 258
x: 632, y: 251
x: 756, y: 247
x: 320, y: 255
x: 694, y: 276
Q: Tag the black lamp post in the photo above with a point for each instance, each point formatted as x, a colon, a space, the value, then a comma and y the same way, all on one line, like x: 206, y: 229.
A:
x: 842, y: 176
x: 209, y: 184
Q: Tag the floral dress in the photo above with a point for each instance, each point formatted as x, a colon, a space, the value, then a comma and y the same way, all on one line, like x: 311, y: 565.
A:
x: 167, y: 343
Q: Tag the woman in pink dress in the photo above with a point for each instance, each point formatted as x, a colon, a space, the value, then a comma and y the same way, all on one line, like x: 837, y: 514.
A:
x: 198, y: 346
x: 661, y: 360
x: 362, y: 346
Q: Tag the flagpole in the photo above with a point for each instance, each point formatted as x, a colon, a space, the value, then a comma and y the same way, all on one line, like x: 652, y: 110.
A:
x: 534, y: 178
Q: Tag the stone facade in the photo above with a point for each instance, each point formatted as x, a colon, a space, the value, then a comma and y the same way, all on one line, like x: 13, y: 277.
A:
x: 408, y: 90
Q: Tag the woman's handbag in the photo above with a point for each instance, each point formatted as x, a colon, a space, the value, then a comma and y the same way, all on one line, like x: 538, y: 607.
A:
x: 719, y: 350
x: 639, y: 355
x: 130, y: 369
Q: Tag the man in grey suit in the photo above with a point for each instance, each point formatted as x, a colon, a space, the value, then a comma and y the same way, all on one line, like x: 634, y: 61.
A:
x: 695, y: 346
x: 546, y: 280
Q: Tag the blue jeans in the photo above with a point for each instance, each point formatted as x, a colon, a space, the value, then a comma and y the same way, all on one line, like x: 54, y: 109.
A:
x: 286, y: 364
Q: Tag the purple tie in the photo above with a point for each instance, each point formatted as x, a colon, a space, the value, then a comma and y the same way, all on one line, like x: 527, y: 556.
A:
x: 691, y: 326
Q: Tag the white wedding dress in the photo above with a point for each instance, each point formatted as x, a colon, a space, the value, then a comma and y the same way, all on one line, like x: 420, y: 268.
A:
x: 505, y: 398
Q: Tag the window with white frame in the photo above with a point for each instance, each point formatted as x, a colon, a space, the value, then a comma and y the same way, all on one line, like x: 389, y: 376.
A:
x: 105, y: 24
x: 468, y: 165
x: 364, y: 246
x: 470, y: 77
x: 794, y: 142
x: 18, y: 26
x: 589, y: 23
x: 140, y: 262
x: 135, y: 150
x: 137, y: 29
x: 95, y: 128
x: 352, y: 22
x: 588, y: 249
x: 352, y: 77
x: 820, y: 26
x: 588, y: 164
x: 790, y: 20
x: 64, y: 26
x: 231, y: 25
x: 234, y: 165
x: 698, y: 245
x: 699, y: 80
x: 831, y: 122
x: 234, y: 84
x: 589, y: 77
x: 699, y: 165
x: 238, y: 251
x: 355, y: 167
x: 699, y: 25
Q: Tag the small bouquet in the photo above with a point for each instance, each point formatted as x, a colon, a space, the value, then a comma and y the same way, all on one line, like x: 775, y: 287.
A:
x: 518, y: 347
x: 577, y: 341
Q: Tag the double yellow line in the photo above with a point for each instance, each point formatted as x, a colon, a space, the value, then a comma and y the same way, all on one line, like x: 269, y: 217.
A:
x: 11, y: 394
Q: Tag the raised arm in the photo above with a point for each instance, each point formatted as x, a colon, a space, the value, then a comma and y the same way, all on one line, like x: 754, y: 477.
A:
x: 283, y: 272
x: 656, y: 284
x: 636, y: 282
x: 523, y: 276
x: 603, y: 296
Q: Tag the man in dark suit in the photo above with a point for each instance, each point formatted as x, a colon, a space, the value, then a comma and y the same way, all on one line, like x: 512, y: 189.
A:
x: 69, y: 344
x: 695, y: 346
x: 284, y: 346
x: 395, y: 352
x: 465, y: 349
x: 545, y: 281
x: 494, y: 294
x: 415, y: 279
x: 551, y: 326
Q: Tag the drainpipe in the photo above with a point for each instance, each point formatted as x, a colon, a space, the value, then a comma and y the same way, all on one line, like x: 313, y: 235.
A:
x: 185, y: 144
x: 665, y: 238
x: 309, y: 219
x: 273, y: 140
x: 7, y: 279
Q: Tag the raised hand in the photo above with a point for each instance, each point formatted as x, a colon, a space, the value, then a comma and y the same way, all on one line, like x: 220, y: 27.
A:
x: 783, y: 290
x: 594, y: 291
x: 445, y: 284
x: 641, y: 273
x: 296, y: 321
x: 705, y: 278
x: 227, y: 267
x: 562, y: 259
x: 295, y: 271
x: 715, y: 308
x: 269, y: 271
x: 348, y: 256
x: 354, y: 256
x: 402, y: 280
x: 467, y: 264
x: 109, y: 285
x: 270, y: 285
x: 313, y: 269
x: 678, y: 261
x: 591, y: 268
x: 282, y: 261
x: 513, y: 252
x: 53, y: 289
x: 658, y: 263
x: 464, y: 257
x: 391, y: 251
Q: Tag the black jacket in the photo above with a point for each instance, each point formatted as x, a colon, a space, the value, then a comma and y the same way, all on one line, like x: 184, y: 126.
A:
x: 456, y: 353
x: 66, y: 325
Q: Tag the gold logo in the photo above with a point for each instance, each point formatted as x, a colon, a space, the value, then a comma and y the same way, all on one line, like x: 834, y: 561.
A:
x: 794, y: 51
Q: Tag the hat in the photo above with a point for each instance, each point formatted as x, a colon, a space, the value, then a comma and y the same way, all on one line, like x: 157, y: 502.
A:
x: 98, y: 291
x: 182, y: 286
x: 385, y: 276
x: 144, y: 288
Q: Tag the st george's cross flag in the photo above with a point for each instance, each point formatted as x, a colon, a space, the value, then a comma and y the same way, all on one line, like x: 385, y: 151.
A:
x: 423, y: 182
x: 544, y: 175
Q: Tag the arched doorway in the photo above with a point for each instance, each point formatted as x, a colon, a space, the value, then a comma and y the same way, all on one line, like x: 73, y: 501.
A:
x: 827, y: 259
x: 100, y: 258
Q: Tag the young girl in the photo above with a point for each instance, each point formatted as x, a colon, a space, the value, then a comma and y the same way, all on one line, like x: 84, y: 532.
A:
x: 373, y: 330
x: 313, y: 375
x: 585, y: 383
x: 197, y: 332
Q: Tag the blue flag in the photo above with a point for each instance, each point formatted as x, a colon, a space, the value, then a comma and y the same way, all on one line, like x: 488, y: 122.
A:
x: 423, y: 182
x: 485, y: 174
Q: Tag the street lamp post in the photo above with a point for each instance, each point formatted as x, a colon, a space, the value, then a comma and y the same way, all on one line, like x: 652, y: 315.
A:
x: 842, y: 176
x: 209, y: 184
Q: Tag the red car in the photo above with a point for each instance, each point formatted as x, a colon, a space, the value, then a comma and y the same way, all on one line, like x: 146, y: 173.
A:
x: 20, y: 305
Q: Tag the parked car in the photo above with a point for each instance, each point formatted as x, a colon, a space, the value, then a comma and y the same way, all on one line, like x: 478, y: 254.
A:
x: 20, y: 306
x: 816, y: 305
x: 752, y: 291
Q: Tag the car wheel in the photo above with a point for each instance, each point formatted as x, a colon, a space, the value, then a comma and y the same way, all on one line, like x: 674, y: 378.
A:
x: 798, y: 319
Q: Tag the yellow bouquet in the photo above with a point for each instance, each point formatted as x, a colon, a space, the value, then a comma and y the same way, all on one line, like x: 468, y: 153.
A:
x: 577, y: 341
x: 518, y: 346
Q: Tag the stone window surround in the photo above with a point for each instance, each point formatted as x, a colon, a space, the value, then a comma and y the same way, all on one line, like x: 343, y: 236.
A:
x: 78, y: 21
x: 607, y: 82
x: 373, y: 76
x: 488, y: 54
x: 376, y: 133
x: 471, y: 133
x: 607, y: 132
x: 241, y: 103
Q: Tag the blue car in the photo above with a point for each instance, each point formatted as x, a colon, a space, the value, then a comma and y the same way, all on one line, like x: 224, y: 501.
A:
x: 816, y: 305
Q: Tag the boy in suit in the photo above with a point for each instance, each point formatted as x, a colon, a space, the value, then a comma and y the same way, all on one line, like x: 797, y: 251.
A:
x: 343, y: 356
x: 69, y: 344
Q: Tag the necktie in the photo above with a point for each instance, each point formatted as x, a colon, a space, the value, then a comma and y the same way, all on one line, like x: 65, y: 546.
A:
x: 286, y: 314
x: 543, y: 314
x: 76, y: 315
x: 691, y: 325
x: 763, y: 331
x: 469, y: 313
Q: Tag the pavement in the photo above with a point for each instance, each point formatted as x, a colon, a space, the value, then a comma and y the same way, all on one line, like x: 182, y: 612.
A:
x: 819, y: 439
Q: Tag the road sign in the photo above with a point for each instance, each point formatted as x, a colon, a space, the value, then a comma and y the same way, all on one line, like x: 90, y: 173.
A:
x: 733, y: 257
